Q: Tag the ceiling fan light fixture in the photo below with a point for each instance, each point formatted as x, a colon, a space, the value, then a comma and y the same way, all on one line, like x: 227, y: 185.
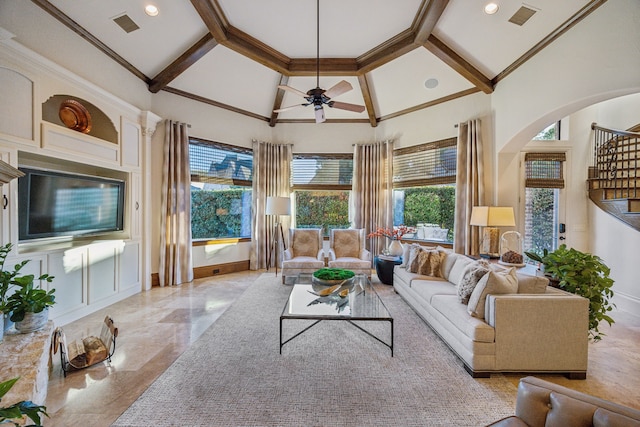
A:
x: 491, y: 8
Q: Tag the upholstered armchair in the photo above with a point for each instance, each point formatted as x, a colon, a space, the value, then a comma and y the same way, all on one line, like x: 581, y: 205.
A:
x: 305, y: 253
x: 347, y: 250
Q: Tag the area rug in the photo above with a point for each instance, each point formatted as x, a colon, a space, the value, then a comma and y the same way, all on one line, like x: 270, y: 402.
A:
x: 333, y: 374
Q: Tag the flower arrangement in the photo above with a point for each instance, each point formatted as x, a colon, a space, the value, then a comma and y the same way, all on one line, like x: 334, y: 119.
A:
x: 392, y: 234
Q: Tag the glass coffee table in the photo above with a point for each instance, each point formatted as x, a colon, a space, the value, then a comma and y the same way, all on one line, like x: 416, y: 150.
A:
x: 362, y: 303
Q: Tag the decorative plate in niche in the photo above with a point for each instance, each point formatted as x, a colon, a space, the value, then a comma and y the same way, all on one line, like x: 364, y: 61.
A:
x: 75, y: 116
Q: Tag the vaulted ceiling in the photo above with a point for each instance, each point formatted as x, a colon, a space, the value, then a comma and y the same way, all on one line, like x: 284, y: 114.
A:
x: 400, y: 56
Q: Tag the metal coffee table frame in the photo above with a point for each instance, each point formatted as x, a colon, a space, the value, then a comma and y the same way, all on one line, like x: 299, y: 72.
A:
x: 363, y: 301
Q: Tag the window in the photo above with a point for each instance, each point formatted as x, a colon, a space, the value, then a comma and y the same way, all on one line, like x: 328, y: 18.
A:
x: 221, y: 179
x: 322, y: 188
x: 543, y: 182
x: 424, y: 188
x: 550, y: 133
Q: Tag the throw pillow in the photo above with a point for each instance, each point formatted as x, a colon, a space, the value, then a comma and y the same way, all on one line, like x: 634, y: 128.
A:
x: 470, y: 278
x: 305, y: 243
x: 429, y: 263
x: 412, y: 265
x: 493, y: 283
x: 448, y: 259
x: 346, y: 243
x: 406, y: 250
x: 532, y: 284
x: 458, y: 268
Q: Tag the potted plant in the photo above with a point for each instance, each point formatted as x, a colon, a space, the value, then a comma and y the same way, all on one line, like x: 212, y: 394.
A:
x: 18, y: 410
x: 28, y: 305
x: 582, y: 274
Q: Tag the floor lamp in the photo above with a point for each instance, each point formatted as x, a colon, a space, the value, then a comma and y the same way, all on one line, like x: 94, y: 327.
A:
x: 491, y: 217
x: 277, y: 206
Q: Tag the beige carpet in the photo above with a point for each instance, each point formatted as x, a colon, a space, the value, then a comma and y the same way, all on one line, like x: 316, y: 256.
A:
x: 333, y: 375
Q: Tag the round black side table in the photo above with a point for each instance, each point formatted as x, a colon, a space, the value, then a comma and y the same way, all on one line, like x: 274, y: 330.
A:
x: 384, y: 268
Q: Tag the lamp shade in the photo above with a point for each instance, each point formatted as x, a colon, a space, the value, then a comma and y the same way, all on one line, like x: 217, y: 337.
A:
x: 278, y: 206
x: 492, y: 216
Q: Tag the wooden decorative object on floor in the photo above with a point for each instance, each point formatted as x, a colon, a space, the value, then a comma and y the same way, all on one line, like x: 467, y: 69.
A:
x: 87, y: 351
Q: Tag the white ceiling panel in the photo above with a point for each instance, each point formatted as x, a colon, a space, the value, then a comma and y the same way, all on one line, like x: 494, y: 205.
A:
x: 347, y: 28
x: 491, y: 42
x: 401, y: 83
x: 230, y: 78
x: 158, y: 41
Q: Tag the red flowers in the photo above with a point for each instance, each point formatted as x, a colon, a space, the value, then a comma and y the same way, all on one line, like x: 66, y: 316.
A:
x: 395, y: 234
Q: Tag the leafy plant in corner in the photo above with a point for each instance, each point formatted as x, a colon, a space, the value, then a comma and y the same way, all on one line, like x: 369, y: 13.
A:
x: 585, y: 275
x: 17, y: 410
x: 26, y: 298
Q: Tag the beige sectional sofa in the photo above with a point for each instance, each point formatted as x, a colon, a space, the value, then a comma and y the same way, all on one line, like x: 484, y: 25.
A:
x: 523, y: 326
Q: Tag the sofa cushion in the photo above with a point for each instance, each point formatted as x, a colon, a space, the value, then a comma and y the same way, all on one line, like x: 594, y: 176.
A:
x: 407, y: 277
x: 303, y: 262
x: 470, y: 278
x: 493, y: 283
x: 427, y: 288
x: 531, y: 284
x: 474, y: 328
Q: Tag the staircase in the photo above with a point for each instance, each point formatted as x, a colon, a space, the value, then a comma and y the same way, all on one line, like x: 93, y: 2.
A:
x: 614, y: 176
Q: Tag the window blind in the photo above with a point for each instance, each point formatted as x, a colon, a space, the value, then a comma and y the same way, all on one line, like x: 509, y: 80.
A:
x: 322, y: 171
x: 544, y: 170
x: 431, y: 163
x: 218, y: 163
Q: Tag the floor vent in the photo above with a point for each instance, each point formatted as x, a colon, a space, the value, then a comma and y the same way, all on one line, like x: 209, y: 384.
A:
x: 522, y: 15
x: 126, y: 23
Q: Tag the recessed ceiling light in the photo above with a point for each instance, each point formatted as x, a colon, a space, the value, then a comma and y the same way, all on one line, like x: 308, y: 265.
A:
x: 491, y: 8
x: 151, y: 10
x: 431, y: 83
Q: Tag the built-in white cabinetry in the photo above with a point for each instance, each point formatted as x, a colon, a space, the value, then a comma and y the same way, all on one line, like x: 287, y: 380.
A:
x: 7, y: 201
x: 135, y: 200
x: 88, y: 277
x: 131, y: 144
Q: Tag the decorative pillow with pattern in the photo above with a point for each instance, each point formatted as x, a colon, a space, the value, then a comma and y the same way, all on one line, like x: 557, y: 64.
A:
x: 346, y: 243
x: 429, y: 262
x: 305, y: 243
x: 470, y: 278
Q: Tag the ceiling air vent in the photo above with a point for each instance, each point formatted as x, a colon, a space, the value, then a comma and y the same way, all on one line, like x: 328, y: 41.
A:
x: 126, y: 23
x: 522, y: 15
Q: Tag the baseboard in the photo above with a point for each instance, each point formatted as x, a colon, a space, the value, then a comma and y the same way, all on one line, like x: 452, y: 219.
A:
x: 210, y: 270
x: 627, y: 303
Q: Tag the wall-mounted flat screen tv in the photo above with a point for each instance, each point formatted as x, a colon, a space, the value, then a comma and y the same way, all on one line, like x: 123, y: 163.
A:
x: 55, y: 204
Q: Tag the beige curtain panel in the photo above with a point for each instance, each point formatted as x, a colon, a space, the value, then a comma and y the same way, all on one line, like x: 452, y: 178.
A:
x: 373, y: 190
x: 175, y: 240
x: 271, y: 177
x: 469, y: 187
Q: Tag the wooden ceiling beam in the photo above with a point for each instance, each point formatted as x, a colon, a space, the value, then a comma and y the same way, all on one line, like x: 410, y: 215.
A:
x: 426, y: 19
x: 184, y: 61
x: 252, y: 48
x: 459, y: 64
x: 393, y: 48
x: 368, y: 100
x: 328, y: 67
x: 213, y: 17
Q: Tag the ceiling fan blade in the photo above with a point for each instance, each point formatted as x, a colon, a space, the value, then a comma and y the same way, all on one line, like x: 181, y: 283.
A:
x: 290, y: 107
x: 338, y: 89
x: 346, y: 106
x: 292, y: 90
x: 319, y: 111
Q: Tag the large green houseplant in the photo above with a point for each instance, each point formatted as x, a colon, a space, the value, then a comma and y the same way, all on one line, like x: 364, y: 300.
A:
x: 27, y: 298
x: 15, y: 412
x: 583, y: 274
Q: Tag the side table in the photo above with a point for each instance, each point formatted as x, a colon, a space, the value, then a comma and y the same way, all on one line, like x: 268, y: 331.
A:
x: 384, y: 268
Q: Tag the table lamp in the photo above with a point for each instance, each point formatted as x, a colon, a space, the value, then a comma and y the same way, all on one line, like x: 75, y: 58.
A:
x: 491, y: 217
x: 277, y: 206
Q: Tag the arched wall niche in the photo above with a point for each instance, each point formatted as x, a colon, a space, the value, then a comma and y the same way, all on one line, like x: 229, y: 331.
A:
x: 101, y: 126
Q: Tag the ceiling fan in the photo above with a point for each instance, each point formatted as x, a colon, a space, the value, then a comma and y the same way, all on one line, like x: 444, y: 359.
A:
x: 319, y: 97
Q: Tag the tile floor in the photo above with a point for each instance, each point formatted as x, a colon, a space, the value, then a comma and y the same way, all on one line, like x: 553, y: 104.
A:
x: 157, y: 326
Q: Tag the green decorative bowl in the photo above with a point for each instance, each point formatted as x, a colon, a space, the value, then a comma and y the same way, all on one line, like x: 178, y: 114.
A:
x: 333, y: 276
